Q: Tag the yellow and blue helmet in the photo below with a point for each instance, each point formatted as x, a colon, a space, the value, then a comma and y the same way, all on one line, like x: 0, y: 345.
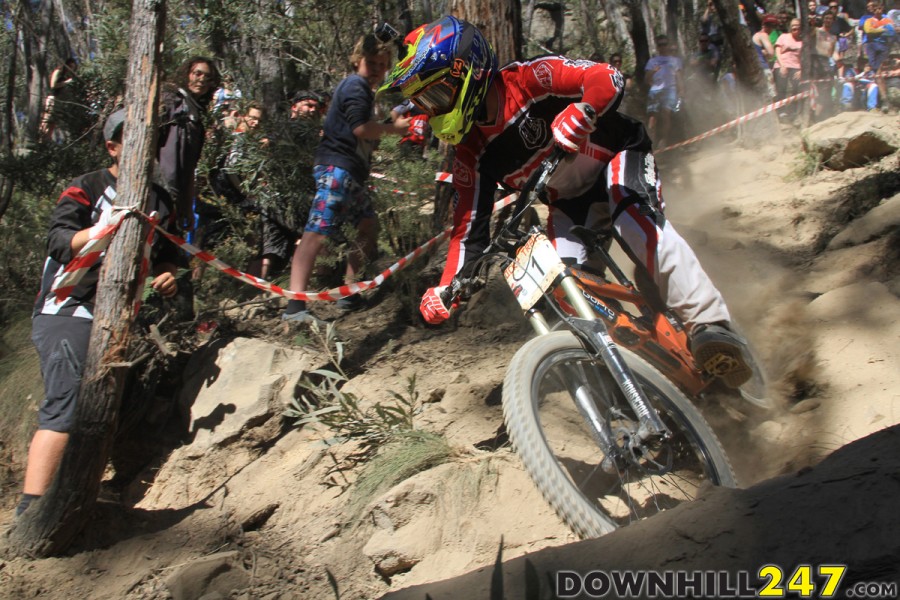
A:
x: 446, y: 72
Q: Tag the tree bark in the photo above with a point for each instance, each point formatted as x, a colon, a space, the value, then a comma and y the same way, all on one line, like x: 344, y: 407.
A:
x: 616, y: 15
x: 746, y: 62
x: 54, y: 520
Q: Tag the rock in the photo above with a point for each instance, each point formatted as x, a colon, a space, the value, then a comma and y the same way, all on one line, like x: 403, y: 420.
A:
x: 852, y: 139
x: 214, y: 576
x: 248, y: 383
x: 877, y: 222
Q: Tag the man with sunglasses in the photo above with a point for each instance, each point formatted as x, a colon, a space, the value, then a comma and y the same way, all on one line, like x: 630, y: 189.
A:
x: 505, y: 121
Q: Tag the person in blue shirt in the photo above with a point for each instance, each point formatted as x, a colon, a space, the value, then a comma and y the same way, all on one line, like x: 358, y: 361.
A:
x: 663, y: 73
x: 349, y: 136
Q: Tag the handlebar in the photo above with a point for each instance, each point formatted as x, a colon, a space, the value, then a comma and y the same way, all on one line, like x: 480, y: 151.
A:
x: 532, y: 190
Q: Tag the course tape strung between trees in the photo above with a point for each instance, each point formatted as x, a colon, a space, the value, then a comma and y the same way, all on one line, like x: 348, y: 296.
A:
x: 740, y: 120
x: 94, y: 249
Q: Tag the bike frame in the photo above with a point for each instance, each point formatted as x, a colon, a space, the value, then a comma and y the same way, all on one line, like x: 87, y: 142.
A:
x: 656, y: 336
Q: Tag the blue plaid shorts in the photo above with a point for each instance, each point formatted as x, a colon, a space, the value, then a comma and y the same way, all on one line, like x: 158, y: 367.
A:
x: 339, y: 199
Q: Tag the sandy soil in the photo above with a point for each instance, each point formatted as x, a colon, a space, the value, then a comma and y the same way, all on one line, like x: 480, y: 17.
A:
x: 251, y: 509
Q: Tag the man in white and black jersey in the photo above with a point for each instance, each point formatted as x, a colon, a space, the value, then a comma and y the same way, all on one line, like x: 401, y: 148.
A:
x: 61, y: 323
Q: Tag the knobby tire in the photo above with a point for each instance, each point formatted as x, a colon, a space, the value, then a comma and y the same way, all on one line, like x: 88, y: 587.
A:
x: 552, y: 439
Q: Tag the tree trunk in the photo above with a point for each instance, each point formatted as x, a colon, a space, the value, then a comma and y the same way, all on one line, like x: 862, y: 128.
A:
x: 589, y: 20
x: 55, y: 519
x: 746, y: 61
x: 748, y: 72
x: 640, y: 37
x: 34, y: 27
x: 9, y: 124
x: 616, y: 15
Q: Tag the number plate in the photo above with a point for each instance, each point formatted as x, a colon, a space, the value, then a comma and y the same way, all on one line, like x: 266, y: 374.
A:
x: 536, y: 266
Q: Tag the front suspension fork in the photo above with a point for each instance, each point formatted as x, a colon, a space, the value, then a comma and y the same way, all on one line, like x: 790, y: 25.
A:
x: 595, y: 335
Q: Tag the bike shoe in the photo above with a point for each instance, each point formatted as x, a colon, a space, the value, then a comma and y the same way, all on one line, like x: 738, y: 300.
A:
x: 722, y: 353
x: 302, y: 316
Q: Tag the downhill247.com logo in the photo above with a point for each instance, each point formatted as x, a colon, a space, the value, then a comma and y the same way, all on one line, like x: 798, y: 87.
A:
x: 770, y: 581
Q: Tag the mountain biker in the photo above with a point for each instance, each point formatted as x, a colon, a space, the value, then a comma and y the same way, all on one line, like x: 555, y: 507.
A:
x: 505, y: 121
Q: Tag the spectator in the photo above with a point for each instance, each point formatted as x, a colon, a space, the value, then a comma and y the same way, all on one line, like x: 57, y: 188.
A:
x: 305, y: 104
x: 880, y: 36
x: 890, y: 71
x: 841, y: 28
x: 711, y: 26
x: 663, y: 73
x: 858, y: 87
x: 705, y: 61
x: 182, y: 132
x: 61, y: 328
x: 60, y: 80
x: 615, y: 60
x: 631, y: 104
x: 224, y: 100
x: 784, y: 26
x: 324, y: 102
x: 787, y: 65
x: 762, y: 39
x: 860, y: 24
x: 229, y: 180
x: 341, y: 169
x: 894, y: 13
x: 765, y: 51
x: 822, y: 60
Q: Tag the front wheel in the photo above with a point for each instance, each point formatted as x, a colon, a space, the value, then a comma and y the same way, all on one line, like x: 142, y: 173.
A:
x: 593, y: 475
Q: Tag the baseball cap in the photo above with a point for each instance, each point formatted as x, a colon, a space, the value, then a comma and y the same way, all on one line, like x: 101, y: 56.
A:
x: 770, y: 20
x: 113, y: 124
x: 305, y: 95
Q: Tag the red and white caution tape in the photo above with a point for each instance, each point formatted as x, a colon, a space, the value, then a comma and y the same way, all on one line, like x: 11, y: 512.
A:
x: 326, y: 296
x: 89, y: 255
x: 748, y: 117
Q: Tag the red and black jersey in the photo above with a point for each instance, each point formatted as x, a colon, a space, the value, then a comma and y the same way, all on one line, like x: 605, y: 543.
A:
x: 530, y: 94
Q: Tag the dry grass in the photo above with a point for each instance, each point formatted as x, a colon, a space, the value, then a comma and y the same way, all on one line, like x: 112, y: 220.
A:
x: 21, y: 390
x: 409, y: 453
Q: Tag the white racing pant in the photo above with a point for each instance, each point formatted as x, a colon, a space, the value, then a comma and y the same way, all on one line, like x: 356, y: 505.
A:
x: 630, y: 194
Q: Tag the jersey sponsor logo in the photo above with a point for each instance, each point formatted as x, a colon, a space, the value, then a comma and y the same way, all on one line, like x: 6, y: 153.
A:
x: 544, y: 75
x: 617, y: 80
x: 650, y: 170
x: 580, y: 63
x: 534, y: 132
x: 462, y: 175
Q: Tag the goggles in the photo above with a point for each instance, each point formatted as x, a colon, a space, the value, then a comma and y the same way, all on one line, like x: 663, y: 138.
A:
x: 437, y: 98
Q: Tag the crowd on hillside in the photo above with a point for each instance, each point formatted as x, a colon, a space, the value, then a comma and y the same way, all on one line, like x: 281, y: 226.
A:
x: 854, y: 65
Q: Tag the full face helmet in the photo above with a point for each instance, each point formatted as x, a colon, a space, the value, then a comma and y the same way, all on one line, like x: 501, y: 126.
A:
x: 446, y: 72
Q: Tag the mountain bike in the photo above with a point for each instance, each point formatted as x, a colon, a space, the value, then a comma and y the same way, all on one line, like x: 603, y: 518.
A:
x: 599, y: 404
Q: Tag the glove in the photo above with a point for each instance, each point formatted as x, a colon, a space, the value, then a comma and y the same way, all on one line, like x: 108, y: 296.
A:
x: 433, y: 308
x: 110, y: 217
x: 573, y: 125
